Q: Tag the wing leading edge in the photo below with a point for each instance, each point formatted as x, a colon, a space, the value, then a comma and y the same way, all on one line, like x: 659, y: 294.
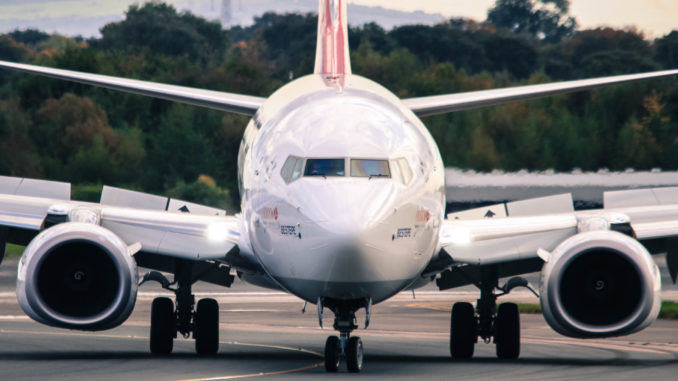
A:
x: 230, y: 102
x: 441, y: 104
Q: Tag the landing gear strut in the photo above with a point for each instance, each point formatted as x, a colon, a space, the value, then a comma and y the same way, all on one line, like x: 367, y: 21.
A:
x: 487, y: 322
x: 168, y: 321
x: 344, y: 347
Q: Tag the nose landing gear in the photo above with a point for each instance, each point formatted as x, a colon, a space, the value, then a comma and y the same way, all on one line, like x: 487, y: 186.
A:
x: 345, y: 347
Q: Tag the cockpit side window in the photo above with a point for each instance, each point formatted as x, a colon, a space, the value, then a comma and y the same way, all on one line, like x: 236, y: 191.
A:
x: 370, y: 168
x: 292, y: 168
x: 402, y: 170
x: 325, y: 167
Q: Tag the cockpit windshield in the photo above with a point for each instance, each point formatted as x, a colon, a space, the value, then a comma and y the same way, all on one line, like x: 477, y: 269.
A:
x: 296, y: 167
x: 369, y: 168
x: 325, y: 167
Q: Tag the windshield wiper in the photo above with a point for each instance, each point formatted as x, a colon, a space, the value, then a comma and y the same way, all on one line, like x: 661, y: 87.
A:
x: 377, y: 175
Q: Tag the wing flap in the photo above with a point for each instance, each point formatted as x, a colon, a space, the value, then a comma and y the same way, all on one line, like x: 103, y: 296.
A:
x: 440, y: 104
x: 653, y: 212
x: 557, y: 204
x: 640, y: 197
x: 35, y: 188
x: 113, y: 196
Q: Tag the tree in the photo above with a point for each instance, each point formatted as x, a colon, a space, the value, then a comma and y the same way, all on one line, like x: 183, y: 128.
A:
x: 458, y: 41
x: 515, y: 54
x: 158, y: 27
x: 606, y: 51
x: 71, y: 123
x: 373, y: 34
x: 667, y: 50
x: 289, y: 41
x: 18, y: 155
x: 76, y: 141
x: 11, y: 50
x: 639, y: 141
x: 545, y: 20
x: 29, y: 36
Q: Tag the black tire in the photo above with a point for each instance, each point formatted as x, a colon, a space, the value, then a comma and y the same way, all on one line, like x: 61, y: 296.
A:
x: 462, y: 331
x: 507, y: 331
x: 163, y: 326
x: 332, y: 353
x: 206, y: 327
x: 354, y: 354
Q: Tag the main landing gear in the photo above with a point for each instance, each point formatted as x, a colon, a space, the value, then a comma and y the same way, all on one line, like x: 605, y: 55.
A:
x: 487, y: 321
x: 344, y: 347
x: 184, y: 317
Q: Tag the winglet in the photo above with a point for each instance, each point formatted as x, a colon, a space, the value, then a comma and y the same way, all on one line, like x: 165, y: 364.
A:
x: 332, y: 60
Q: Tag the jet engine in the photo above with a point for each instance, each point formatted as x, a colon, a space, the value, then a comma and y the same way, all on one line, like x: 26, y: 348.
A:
x: 77, y: 276
x: 600, y: 284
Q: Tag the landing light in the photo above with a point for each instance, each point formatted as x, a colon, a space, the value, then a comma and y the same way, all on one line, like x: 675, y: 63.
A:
x: 459, y: 236
x: 218, y: 232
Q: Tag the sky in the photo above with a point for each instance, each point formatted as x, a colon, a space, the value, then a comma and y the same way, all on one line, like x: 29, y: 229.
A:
x: 655, y: 17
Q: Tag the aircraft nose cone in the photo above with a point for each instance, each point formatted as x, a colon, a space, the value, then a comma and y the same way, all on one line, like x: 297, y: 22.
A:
x: 349, y: 208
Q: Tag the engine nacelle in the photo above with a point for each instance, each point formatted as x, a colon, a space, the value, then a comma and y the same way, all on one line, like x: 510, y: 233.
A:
x: 600, y: 284
x: 77, y: 276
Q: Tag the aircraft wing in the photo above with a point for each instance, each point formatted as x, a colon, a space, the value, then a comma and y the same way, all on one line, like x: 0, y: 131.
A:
x: 441, y: 104
x: 519, y: 236
x: 146, y: 223
x: 237, y: 103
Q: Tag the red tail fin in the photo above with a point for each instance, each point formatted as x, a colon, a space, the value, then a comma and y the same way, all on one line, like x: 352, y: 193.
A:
x: 332, y: 59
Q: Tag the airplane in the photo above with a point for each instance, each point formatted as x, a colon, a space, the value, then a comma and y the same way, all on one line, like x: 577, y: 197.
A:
x: 343, y: 205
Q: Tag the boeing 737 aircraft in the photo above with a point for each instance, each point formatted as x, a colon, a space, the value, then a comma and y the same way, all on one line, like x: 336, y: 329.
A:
x: 343, y: 205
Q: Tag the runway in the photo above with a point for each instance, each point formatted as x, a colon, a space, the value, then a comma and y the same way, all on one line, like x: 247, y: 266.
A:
x: 265, y: 335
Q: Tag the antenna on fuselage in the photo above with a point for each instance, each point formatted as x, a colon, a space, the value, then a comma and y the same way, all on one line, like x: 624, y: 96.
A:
x: 332, y: 59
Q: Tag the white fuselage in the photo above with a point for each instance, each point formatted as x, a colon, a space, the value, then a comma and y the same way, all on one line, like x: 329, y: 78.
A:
x: 341, y: 237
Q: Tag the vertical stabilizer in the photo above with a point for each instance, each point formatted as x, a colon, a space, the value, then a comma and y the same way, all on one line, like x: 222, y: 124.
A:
x: 332, y: 59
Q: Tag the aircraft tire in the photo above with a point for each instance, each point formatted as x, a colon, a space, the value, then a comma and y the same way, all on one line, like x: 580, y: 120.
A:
x: 354, y: 354
x: 332, y: 354
x: 462, y: 331
x: 206, y: 327
x: 507, y: 334
x: 162, y: 326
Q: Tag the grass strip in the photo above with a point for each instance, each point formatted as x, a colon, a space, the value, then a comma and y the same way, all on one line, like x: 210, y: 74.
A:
x: 14, y: 251
x: 669, y: 310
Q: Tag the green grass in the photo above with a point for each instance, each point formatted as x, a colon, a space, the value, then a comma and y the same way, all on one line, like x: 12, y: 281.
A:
x: 14, y: 251
x: 669, y: 310
x: 527, y: 308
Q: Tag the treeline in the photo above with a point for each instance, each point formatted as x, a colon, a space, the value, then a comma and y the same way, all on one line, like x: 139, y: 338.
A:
x: 89, y: 136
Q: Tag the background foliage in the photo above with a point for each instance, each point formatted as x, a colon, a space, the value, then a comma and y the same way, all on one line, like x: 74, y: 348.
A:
x: 90, y: 136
